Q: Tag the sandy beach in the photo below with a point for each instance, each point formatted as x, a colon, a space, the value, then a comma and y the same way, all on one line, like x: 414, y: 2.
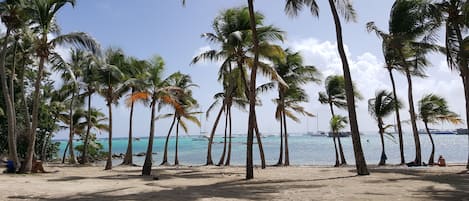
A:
x: 227, y: 183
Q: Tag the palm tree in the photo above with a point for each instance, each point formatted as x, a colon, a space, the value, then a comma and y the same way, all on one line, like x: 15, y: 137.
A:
x: 111, y: 78
x: 234, y: 34
x: 382, y: 105
x: 390, y: 56
x: 455, y: 18
x: 13, y: 17
x: 346, y: 10
x: 434, y: 109
x: 137, y: 75
x: 411, y: 33
x: 335, y: 96
x: 43, y: 13
x: 292, y: 71
x: 337, y: 123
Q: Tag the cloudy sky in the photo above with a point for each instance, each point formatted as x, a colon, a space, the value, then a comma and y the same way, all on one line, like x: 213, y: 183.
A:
x: 147, y: 27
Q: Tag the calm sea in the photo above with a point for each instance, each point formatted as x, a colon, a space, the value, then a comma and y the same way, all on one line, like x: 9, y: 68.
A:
x: 304, y: 149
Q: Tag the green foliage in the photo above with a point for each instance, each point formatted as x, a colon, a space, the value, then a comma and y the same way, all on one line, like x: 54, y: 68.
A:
x: 95, y: 150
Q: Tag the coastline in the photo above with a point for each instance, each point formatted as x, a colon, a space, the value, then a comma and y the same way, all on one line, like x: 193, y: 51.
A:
x: 391, y: 182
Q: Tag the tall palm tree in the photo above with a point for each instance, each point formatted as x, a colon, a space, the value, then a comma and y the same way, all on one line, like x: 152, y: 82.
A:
x: 335, y: 96
x: 382, y: 105
x: 292, y: 71
x: 137, y: 74
x: 346, y: 10
x: 411, y: 36
x: 434, y: 109
x: 13, y: 17
x: 43, y: 13
x: 233, y: 32
x: 112, y: 89
x: 337, y: 123
x: 456, y: 17
x: 390, y: 56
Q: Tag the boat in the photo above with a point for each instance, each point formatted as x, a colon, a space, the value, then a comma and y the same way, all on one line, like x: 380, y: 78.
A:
x: 462, y: 131
x: 437, y: 132
x: 316, y: 134
x: 341, y: 134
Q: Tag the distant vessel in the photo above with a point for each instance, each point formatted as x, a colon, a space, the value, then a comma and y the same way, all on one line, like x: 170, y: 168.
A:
x: 341, y: 134
x: 437, y: 132
x: 316, y: 134
x: 462, y: 131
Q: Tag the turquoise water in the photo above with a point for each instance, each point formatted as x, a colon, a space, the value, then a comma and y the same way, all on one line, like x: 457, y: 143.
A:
x: 304, y: 149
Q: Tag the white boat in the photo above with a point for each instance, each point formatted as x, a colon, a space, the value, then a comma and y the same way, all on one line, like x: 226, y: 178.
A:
x: 341, y: 134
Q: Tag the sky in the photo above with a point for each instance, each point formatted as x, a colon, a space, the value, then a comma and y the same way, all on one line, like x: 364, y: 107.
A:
x: 147, y: 27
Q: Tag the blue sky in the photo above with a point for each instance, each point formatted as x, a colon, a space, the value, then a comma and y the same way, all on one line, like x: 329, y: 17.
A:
x: 147, y: 27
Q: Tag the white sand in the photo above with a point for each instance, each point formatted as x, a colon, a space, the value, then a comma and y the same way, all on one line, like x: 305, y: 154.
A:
x: 227, y: 183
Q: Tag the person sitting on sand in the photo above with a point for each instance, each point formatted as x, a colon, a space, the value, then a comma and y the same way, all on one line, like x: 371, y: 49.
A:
x: 441, y: 161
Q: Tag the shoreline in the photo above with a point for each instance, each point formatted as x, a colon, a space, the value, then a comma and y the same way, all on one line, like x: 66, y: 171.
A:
x: 227, y: 183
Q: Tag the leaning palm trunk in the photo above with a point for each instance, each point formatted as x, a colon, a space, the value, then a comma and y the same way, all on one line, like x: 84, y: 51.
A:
x: 165, y: 154
x: 84, y: 158
x: 228, y: 156
x: 65, y: 152
x: 383, y: 159
x: 287, y: 155
x: 466, y: 93
x: 418, y: 156
x: 336, y: 135
x: 212, y: 134
x: 72, y: 159
x: 359, y: 157
x: 252, y: 94
x: 337, y: 163
x: 128, y: 159
x: 280, y: 157
x: 11, y: 115
x: 432, y: 154
x: 109, y: 154
x: 176, y: 159
x: 259, y: 143
x: 146, y: 170
x: 222, y: 158
x: 398, y: 117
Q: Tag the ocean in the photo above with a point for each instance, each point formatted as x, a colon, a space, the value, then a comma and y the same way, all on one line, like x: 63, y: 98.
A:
x: 303, y: 149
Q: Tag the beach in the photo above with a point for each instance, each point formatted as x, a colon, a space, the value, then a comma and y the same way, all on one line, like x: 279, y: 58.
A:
x: 227, y: 183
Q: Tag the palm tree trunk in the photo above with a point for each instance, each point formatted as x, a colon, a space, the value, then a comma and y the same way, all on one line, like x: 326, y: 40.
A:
x: 252, y: 94
x: 337, y: 163
x: 13, y: 74
x: 341, y: 151
x: 84, y: 159
x: 432, y: 154
x: 11, y: 114
x: 287, y: 155
x: 359, y: 157
x: 222, y: 158
x: 65, y: 152
x: 109, y: 154
x: 176, y: 158
x: 146, y: 170
x: 228, y: 157
x: 165, y: 154
x: 27, y: 165
x: 72, y: 159
x: 212, y: 134
x: 280, y: 157
x: 128, y: 159
x: 259, y: 143
x: 26, y: 116
x: 418, y: 156
x: 398, y: 117
x: 383, y: 159
x: 466, y: 93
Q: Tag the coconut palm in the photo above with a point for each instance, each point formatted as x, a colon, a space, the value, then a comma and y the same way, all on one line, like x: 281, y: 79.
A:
x: 292, y: 70
x: 390, y: 56
x: 13, y: 17
x: 455, y: 18
x: 335, y: 96
x: 234, y: 34
x: 337, y: 123
x: 112, y: 88
x: 42, y: 14
x: 434, y: 109
x: 382, y: 105
x: 137, y: 75
x: 411, y: 36
x: 345, y: 8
